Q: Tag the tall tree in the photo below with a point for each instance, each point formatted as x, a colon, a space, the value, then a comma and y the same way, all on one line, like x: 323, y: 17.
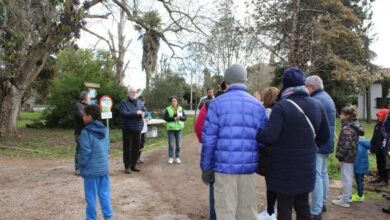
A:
x: 150, y: 43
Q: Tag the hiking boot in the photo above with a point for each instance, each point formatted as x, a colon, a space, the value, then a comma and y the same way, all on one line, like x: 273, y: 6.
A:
x: 357, y: 198
x: 324, y: 209
x: 386, y: 210
x: 128, y: 170
x: 341, y: 203
x: 316, y: 217
x: 170, y: 161
x: 178, y: 161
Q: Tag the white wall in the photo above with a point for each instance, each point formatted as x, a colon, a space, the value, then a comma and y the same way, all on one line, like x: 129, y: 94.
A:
x: 376, y: 92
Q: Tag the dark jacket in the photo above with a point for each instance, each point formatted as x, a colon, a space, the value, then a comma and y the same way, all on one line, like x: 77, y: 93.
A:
x: 293, y: 156
x: 78, y: 117
x: 229, y: 133
x: 347, y: 144
x: 377, y: 138
x: 94, y: 147
x: 131, y: 121
x: 330, y: 110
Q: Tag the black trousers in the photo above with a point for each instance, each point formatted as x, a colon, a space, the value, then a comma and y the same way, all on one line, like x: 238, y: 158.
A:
x: 300, y: 204
x: 271, y: 200
x: 131, y: 142
x: 381, y: 164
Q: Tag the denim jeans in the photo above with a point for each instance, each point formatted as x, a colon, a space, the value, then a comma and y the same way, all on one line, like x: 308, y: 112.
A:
x: 172, y: 136
x: 97, y: 186
x: 319, y: 196
x: 359, y: 177
x: 213, y: 216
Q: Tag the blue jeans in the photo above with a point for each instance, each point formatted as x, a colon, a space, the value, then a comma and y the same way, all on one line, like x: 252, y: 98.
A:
x: 319, y: 196
x: 97, y: 186
x: 359, y: 177
x: 174, y: 135
x: 213, y: 215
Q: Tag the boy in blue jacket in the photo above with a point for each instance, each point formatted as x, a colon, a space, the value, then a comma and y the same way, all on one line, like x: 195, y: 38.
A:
x: 93, y: 163
x: 360, y: 167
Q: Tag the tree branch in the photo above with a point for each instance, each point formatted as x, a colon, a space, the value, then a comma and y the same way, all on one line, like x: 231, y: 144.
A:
x: 98, y: 16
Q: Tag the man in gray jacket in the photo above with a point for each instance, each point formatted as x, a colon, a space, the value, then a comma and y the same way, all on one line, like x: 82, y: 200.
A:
x: 79, y: 124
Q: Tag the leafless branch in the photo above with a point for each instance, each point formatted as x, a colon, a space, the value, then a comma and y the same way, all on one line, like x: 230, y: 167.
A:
x: 98, y: 16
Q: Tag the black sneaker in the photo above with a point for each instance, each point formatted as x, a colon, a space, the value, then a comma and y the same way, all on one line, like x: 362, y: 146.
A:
x: 386, y: 210
x: 316, y: 217
x: 128, y: 170
x: 135, y: 169
x: 324, y: 208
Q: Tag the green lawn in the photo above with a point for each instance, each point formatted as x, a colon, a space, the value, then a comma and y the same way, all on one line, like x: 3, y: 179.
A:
x: 59, y: 143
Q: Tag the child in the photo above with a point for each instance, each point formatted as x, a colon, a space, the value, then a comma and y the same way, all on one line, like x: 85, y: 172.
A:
x: 93, y: 161
x: 346, y: 150
x: 377, y: 146
x: 360, y: 167
x: 143, y: 132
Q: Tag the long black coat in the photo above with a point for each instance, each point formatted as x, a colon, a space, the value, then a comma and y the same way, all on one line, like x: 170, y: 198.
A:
x: 293, y: 157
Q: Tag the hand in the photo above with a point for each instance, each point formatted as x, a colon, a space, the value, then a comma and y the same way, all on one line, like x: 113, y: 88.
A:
x: 208, y: 177
x: 177, y: 118
x: 143, y: 114
x: 257, y: 96
x: 139, y: 112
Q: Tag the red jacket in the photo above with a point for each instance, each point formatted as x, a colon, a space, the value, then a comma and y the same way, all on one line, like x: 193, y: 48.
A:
x: 198, y: 126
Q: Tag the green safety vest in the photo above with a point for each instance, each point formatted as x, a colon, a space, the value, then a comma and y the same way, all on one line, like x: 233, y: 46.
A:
x: 174, y: 125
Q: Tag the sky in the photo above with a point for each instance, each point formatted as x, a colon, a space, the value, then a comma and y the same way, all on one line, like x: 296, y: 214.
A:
x: 136, y: 77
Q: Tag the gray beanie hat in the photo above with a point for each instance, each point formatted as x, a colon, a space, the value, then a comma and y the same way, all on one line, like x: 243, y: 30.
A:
x: 236, y: 73
x: 83, y: 95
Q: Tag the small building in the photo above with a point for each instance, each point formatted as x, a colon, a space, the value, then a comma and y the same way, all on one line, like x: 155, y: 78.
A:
x: 375, y: 99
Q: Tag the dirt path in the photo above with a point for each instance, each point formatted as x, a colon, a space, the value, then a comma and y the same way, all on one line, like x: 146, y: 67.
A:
x: 46, y: 189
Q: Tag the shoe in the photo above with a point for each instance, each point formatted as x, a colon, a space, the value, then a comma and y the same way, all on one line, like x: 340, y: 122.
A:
x: 170, y: 161
x: 178, y: 161
x: 324, y: 209
x: 357, y: 198
x: 340, y: 197
x: 128, y: 170
x: 316, y: 217
x: 265, y: 216
x: 341, y: 203
x: 135, y: 169
x: 386, y: 210
x: 77, y: 172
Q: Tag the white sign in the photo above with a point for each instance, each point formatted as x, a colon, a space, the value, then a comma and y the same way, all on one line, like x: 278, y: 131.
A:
x: 106, y: 115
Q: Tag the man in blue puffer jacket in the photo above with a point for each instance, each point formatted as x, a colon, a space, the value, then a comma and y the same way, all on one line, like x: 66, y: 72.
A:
x: 297, y: 126
x: 93, y: 163
x: 319, y: 196
x: 230, y: 148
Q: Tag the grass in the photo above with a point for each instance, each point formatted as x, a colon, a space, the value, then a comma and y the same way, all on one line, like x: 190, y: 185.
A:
x: 59, y: 143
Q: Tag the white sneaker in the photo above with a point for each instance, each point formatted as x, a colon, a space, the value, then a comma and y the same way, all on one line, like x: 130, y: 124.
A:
x: 341, y: 203
x: 265, y: 216
x: 170, y: 161
x: 178, y: 161
x: 340, y: 197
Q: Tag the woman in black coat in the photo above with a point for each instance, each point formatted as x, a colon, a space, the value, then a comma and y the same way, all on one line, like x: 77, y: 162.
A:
x: 294, y: 141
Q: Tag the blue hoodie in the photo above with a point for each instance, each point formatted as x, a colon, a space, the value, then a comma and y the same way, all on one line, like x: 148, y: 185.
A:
x: 94, y: 147
x: 361, y: 163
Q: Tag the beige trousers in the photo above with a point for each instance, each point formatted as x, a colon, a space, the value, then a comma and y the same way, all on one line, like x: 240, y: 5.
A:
x: 235, y: 197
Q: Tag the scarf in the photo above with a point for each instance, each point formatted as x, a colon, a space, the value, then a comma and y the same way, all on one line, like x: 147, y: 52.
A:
x: 293, y: 90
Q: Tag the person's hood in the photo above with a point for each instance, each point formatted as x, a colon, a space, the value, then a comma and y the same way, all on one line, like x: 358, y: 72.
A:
x: 381, y: 114
x: 97, y: 129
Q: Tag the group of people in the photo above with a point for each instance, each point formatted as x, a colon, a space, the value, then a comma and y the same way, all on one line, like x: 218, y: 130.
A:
x: 288, y: 140
x: 92, y: 144
x: 286, y: 135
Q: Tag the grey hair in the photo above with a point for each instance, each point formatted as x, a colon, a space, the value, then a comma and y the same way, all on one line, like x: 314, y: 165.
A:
x: 131, y: 88
x: 314, y: 81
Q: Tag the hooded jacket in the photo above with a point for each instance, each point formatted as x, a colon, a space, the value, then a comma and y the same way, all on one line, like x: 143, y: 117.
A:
x: 361, y: 163
x: 94, y: 148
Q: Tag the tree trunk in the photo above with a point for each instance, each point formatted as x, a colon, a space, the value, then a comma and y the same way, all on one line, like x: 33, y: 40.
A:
x: 120, y: 71
x: 9, y: 109
x: 368, y: 104
x: 294, y: 44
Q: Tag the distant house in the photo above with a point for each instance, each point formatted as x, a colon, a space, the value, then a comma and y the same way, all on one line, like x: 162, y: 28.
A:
x: 376, y: 99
